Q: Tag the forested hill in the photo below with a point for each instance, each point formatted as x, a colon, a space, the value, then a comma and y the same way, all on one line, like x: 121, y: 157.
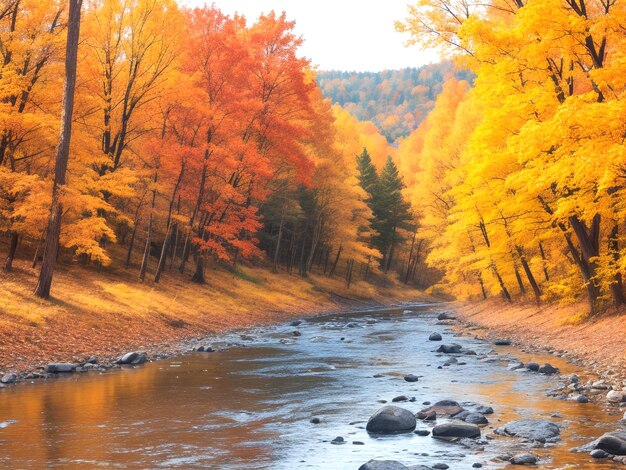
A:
x: 395, y: 100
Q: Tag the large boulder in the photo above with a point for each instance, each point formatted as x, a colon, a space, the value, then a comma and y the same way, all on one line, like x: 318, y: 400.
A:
x: 531, y: 429
x: 382, y: 465
x: 612, y: 442
x: 132, y: 358
x: 457, y: 430
x: 391, y: 420
x: 60, y: 368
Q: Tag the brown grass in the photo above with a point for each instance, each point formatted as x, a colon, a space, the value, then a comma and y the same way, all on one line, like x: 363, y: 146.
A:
x: 598, y: 342
x: 109, y: 312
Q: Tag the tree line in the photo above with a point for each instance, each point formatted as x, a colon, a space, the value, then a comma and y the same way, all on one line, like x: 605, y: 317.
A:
x: 196, y: 139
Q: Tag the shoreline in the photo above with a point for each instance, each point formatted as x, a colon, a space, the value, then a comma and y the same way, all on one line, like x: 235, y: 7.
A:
x: 180, y: 347
x: 546, y: 330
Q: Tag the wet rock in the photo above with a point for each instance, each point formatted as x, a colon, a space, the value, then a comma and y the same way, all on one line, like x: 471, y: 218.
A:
x: 548, y: 369
x: 462, y: 415
x: 598, y: 454
x: 91, y: 360
x: 484, y: 410
x: 383, y: 465
x: 9, y: 378
x: 338, y: 440
x: 612, y: 442
x: 579, y: 398
x: 435, y: 337
x: 440, y: 466
x: 358, y: 443
x: 531, y: 429
x: 426, y: 415
x: 477, y: 465
x: 600, y: 385
x: 516, y: 366
x: 411, y: 378
x: 60, y: 368
x: 315, y: 420
x: 442, y: 408
x: 297, y: 333
x: 533, y: 366
x: 524, y: 459
x: 422, y: 432
x: 204, y: 349
x: 449, y: 362
x: 399, y: 398
x: 351, y: 325
x: 132, y: 358
x: 615, y: 396
x: 456, y: 430
x: 246, y: 337
x: 450, y: 349
x: 391, y: 420
x: 476, y: 418
x: 502, y: 342
x: 295, y: 323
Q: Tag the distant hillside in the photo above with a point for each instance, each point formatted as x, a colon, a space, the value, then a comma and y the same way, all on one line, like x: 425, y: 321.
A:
x: 395, y: 100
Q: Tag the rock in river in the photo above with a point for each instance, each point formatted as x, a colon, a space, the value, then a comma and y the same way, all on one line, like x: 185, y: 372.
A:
x: 435, y: 337
x: 411, y: 378
x: 456, y: 430
x: 382, y: 465
x: 612, y: 442
x: 476, y: 418
x: 133, y: 358
x: 531, y: 429
x: 450, y: 349
x: 502, y: 342
x: 524, y: 459
x: 532, y: 366
x: 548, y: 369
x: 442, y: 408
x: 391, y: 420
x: 60, y: 367
x: 9, y: 378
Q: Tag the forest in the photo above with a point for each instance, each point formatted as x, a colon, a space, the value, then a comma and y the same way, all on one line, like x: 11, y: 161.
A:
x: 198, y: 140
x: 396, y: 101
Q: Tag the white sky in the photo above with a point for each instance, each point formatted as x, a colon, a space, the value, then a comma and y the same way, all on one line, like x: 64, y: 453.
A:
x: 340, y: 34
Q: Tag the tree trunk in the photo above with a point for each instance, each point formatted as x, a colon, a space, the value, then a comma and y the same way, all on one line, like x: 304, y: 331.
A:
x: 544, y: 262
x: 146, y: 251
x: 278, y: 240
x: 198, y: 275
x: 505, y: 291
x: 15, y: 238
x: 51, y: 245
x: 520, y: 283
x: 332, y: 270
x: 617, y: 290
x: 131, y: 245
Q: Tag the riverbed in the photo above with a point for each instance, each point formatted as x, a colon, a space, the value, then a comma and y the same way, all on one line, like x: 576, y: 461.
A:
x: 249, y: 404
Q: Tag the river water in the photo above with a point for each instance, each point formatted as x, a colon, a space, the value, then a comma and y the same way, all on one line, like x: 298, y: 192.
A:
x: 249, y: 405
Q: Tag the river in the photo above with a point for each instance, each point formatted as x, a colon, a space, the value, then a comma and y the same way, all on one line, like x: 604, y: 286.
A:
x: 249, y: 404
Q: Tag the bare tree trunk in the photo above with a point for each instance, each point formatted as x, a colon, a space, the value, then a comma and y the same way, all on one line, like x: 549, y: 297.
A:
x: 280, y: 237
x: 332, y: 270
x: 51, y: 244
x: 544, y: 262
x: 617, y: 290
x: 15, y: 238
x: 146, y: 251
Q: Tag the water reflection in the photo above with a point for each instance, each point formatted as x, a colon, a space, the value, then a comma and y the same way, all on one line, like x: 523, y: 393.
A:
x: 250, y: 406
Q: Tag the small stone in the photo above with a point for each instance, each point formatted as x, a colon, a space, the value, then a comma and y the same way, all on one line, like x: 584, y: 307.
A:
x: 435, y: 337
x: 358, y: 443
x: 133, y: 358
x: 338, y: 440
x: 599, y: 454
x: 615, y: 396
x: 9, y: 378
x: 532, y: 366
x: 60, y: 367
x: 399, y: 398
x: 411, y: 378
x: 315, y: 420
x: 484, y: 410
x: 524, y: 459
x: 477, y: 465
x: 297, y: 333
x: 476, y: 418
x: 440, y: 466
x: 502, y: 342
x: 548, y: 369
x: 295, y: 323
x: 422, y: 432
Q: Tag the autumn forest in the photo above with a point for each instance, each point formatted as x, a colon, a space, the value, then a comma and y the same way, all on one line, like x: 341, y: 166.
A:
x: 180, y: 140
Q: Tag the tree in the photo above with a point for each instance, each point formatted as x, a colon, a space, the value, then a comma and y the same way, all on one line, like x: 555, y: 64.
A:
x: 56, y: 208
